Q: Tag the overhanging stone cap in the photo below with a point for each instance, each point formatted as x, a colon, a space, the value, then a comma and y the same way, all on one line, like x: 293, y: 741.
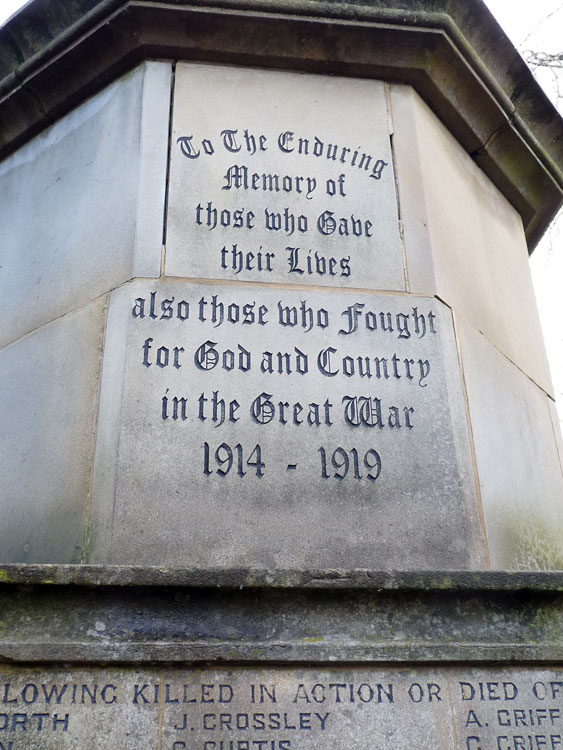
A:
x: 53, y: 55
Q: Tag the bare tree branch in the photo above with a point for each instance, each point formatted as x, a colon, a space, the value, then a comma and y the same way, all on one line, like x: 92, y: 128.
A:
x: 540, y: 59
x: 536, y: 27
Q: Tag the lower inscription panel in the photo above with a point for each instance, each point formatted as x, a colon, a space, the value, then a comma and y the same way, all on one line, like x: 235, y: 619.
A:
x: 281, y: 709
x: 241, y: 427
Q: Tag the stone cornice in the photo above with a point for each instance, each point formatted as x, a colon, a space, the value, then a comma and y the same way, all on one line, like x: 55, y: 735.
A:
x: 53, y: 55
x: 237, y: 579
x: 240, y: 617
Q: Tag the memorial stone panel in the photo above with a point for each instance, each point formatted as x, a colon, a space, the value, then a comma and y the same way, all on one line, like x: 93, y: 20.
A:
x: 277, y: 427
x: 450, y: 708
x: 282, y: 177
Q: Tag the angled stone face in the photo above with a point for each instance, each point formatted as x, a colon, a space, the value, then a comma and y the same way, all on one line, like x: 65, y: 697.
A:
x: 463, y: 239
x: 82, y: 205
x: 517, y: 458
x: 281, y: 177
x: 49, y: 403
x: 281, y: 428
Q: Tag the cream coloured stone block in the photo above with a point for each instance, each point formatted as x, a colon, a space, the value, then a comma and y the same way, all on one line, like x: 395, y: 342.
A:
x: 303, y: 428
x: 281, y: 177
x: 463, y: 239
x: 49, y: 384
x: 517, y: 458
x: 82, y: 204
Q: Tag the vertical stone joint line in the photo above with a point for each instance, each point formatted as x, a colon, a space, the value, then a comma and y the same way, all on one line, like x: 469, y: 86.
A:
x: 554, y: 427
x: 453, y: 724
x: 471, y: 440
x: 396, y: 182
x: 87, y: 507
x: 167, y: 185
x: 160, y: 709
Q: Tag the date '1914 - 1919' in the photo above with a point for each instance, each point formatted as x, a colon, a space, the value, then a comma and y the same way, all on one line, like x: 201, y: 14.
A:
x: 337, y: 465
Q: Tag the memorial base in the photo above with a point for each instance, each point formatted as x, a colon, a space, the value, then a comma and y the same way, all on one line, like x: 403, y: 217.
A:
x: 261, y: 660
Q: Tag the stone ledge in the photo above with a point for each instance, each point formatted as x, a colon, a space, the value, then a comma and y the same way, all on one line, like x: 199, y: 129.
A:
x: 53, y: 56
x: 396, y: 617
x: 248, y: 578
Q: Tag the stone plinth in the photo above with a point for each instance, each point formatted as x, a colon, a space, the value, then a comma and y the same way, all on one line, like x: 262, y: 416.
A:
x: 195, y: 659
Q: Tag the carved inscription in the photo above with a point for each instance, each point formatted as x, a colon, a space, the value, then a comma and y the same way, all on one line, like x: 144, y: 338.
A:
x: 283, y: 192
x: 242, y: 404
x: 283, y: 222
x: 247, y: 405
x: 354, y: 378
x: 281, y: 709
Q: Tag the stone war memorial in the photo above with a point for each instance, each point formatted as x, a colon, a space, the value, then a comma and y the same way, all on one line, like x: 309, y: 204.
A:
x: 280, y: 462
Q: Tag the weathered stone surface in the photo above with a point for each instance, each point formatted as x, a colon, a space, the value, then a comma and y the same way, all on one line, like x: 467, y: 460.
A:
x: 306, y: 428
x: 82, y: 205
x: 463, y: 239
x: 286, y: 191
x: 517, y: 458
x: 75, y: 577
x: 164, y: 615
x: 451, y: 708
x: 49, y: 384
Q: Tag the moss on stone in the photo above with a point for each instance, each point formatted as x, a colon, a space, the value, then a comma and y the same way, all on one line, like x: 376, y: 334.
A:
x: 535, y: 544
